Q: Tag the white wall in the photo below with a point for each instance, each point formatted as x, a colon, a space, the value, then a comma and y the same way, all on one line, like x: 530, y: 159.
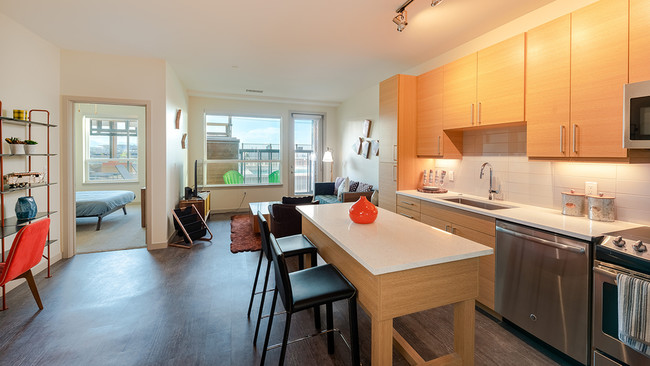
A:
x: 176, y: 156
x: 352, y: 113
x: 29, y: 71
x: 113, y: 111
x: 94, y: 75
x: 230, y: 199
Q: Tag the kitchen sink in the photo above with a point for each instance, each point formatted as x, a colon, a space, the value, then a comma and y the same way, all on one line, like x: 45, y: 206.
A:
x: 475, y: 203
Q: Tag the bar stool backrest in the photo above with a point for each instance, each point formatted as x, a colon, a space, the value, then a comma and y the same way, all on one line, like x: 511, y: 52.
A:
x: 264, y: 233
x: 282, y: 281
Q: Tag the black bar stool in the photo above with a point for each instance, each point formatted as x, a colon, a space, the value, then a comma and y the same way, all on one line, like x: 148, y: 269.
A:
x: 305, y: 289
x: 294, y: 245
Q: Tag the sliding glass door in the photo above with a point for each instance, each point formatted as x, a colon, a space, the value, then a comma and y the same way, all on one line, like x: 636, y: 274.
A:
x: 305, y: 150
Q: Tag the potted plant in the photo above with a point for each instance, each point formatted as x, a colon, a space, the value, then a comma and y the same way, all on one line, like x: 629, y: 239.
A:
x: 16, y: 145
x: 30, y: 146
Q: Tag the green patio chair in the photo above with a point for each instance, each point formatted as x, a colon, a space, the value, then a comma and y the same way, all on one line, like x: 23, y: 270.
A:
x: 274, y: 177
x: 233, y: 177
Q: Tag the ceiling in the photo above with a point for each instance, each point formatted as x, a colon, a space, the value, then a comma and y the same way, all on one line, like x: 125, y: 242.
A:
x: 299, y: 49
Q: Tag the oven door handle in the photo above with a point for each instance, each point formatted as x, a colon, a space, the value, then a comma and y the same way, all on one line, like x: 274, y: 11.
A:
x: 605, y: 272
x: 570, y: 248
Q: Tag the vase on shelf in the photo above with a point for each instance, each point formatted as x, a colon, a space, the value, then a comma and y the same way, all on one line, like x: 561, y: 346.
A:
x: 26, y: 208
x: 363, y: 212
x: 17, y: 148
x: 30, y: 149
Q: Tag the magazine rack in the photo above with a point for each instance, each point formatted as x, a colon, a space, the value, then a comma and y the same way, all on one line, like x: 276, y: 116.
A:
x: 189, y: 225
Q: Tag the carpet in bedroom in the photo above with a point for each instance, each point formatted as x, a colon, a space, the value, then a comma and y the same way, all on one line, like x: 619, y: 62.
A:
x: 118, y: 232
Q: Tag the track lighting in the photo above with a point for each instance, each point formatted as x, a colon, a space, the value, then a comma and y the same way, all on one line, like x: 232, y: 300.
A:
x: 435, y: 2
x: 400, y: 20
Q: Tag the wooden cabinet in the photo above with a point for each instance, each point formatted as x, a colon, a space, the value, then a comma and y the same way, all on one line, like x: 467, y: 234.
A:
x: 599, y: 69
x: 486, y: 87
x: 472, y: 226
x: 500, y: 82
x: 398, y: 163
x: 202, y: 204
x: 431, y: 140
x: 639, y: 40
x: 408, y: 207
x: 548, y: 89
x: 459, y: 88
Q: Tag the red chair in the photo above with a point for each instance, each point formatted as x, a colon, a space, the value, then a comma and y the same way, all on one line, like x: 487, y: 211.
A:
x: 26, y: 252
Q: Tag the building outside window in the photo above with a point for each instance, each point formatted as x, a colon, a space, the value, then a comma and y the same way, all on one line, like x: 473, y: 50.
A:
x: 241, y: 150
x: 110, y: 150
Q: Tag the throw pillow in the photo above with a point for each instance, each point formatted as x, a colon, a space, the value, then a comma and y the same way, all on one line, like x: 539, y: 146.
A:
x: 297, y: 200
x: 353, y: 186
x: 363, y: 187
x: 337, y: 183
x: 374, y: 199
x: 344, y: 187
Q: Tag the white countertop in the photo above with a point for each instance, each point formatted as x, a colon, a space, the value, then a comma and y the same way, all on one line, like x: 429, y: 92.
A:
x: 393, y: 242
x: 537, y: 217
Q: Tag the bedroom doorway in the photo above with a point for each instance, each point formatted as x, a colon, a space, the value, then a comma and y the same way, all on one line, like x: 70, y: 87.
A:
x: 109, y: 176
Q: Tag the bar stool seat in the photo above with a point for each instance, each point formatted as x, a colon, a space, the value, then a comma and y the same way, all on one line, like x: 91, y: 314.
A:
x: 296, y: 245
x: 318, y: 285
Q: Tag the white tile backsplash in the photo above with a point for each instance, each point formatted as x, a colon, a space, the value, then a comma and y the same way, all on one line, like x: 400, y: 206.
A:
x: 541, y: 183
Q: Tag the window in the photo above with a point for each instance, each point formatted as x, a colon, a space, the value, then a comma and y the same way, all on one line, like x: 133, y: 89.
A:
x: 111, y: 150
x: 241, y: 150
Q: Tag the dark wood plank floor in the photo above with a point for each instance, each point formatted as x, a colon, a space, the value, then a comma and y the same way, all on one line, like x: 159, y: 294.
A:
x: 188, y: 307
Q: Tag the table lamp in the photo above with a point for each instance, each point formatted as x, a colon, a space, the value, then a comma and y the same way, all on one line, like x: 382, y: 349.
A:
x: 327, y: 158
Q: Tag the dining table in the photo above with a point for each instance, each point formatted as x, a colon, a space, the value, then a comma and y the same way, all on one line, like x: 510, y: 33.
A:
x: 400, y: 266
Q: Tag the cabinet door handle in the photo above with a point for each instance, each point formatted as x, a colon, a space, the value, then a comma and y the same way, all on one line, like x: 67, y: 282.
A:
x: 479, y: 113
x: 394, y: 173
x: 575, y: 148
x: 453, y: 230
x: 562, y: 139
x: 472, y: 114
x: 405, y: 215
x: 394, y: 152
x: 448, y: 228
x: 439, y: 137
x: 408, y: 203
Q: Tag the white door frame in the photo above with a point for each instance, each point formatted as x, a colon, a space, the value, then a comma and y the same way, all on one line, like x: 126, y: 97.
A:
x: 66, y: 142
x: 292, y: 147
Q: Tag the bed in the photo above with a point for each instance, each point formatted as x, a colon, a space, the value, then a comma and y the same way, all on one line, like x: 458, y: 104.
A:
x: 101, y: 203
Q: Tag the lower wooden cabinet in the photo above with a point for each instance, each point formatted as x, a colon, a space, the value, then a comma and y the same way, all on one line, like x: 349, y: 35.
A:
x: 469, y: 225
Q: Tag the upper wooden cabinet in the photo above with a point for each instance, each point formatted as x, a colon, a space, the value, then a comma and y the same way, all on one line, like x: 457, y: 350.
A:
x: 486, y: 87
x: 639, y: 40
x: 500, y: 82
x: 431, y: 140
x: 548, y: 89
x: 599, y: 69
x: 459, y: 88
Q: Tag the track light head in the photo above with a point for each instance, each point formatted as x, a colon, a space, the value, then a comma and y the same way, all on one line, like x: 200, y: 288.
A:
x: 435, y: 2
x: 400, y: 20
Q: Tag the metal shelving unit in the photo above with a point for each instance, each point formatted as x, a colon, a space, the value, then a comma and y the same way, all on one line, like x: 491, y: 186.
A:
x: 11, y: 225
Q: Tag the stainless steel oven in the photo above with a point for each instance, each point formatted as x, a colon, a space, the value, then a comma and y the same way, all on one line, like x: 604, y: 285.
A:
x: 621, y: 252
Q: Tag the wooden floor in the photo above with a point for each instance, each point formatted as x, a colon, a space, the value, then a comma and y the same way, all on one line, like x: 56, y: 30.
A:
x: 188, y: 307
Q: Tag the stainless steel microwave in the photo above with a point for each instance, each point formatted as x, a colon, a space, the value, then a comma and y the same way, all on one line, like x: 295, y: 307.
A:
x: 636, y: 116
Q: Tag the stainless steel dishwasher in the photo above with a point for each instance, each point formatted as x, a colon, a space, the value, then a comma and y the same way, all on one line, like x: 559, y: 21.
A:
x: 543, y: 286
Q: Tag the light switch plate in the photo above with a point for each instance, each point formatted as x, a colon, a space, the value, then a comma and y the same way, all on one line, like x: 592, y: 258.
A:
x: 451, y: 176
x: 591, y: 188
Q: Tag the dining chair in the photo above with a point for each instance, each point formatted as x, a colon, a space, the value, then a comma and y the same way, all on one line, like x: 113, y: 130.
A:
x: 307, y: 288
x: 295, y: 245
x: 25, y: 253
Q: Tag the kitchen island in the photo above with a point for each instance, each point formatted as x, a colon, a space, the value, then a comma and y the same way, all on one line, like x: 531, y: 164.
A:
x: 400, y: 266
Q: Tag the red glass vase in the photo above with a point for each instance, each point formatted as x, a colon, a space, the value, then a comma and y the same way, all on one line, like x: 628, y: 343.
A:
x: 363, y: 212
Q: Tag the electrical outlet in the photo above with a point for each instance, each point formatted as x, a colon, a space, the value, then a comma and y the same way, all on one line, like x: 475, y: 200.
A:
x: 451, y: 176
x: 591, y: 188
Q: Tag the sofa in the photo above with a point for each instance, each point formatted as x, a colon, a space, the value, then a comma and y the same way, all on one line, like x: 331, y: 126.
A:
x: 325, y: 192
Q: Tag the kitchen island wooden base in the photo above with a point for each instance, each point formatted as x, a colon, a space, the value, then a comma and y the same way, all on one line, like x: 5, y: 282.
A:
x: 390, y: 295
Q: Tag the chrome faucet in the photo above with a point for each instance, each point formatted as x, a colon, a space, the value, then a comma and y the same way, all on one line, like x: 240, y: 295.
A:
x: 491, y: 191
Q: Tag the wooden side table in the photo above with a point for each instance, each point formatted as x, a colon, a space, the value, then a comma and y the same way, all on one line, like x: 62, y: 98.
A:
x: 202, y: 204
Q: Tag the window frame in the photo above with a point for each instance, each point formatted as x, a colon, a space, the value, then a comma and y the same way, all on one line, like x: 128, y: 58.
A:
x: 87, y: 160
x: 205, y: 161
